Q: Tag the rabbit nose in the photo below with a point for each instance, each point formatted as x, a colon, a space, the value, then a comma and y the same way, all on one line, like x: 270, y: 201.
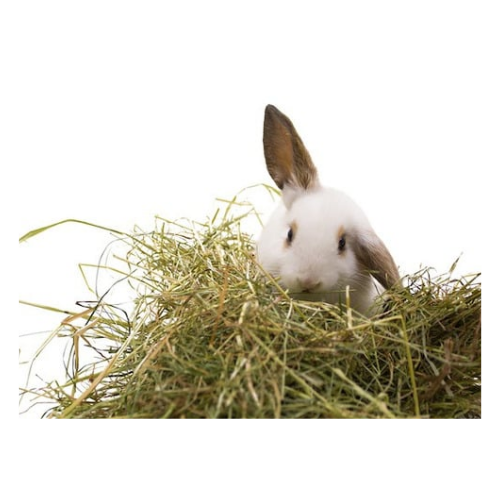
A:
x: 308, y: 284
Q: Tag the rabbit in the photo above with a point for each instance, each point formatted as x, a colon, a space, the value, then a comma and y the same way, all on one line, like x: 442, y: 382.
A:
x: 318, y: 243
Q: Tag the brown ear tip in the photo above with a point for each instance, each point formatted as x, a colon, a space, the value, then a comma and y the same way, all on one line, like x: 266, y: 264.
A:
x: 272, y: 111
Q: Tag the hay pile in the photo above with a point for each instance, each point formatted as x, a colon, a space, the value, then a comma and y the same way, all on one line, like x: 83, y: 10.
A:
x: 210, y: 336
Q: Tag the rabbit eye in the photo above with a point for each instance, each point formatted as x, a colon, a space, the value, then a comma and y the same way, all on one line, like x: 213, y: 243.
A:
x: 292, y: 231
x: 342, y: 243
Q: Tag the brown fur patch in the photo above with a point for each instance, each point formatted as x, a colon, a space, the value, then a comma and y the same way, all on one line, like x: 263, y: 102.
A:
x: 287, y: 159
x: 374, y: 257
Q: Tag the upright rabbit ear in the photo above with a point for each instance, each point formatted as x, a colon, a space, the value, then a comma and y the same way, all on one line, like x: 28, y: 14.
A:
x: 287, y: 159
x: 374, y: 257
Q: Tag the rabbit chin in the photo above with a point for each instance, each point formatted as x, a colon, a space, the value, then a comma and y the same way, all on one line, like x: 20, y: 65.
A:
x: 360, y: 301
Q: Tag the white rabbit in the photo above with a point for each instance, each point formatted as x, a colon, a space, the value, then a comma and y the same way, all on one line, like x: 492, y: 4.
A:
x: 318, y: 241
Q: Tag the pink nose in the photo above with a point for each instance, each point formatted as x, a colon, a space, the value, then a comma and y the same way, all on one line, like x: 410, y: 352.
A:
x: 309, y: 285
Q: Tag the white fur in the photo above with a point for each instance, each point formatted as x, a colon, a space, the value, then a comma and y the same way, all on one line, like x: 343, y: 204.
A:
x: 313, y: 256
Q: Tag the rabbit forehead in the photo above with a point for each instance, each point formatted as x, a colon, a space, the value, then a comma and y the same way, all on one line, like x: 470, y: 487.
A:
x: 327, y: 210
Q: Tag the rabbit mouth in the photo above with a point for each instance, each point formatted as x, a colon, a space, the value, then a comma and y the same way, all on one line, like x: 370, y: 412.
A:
x: 308, y: 289
x: 309, y: 286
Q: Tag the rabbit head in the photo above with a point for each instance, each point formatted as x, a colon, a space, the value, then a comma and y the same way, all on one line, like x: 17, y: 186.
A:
x: 318, y: 242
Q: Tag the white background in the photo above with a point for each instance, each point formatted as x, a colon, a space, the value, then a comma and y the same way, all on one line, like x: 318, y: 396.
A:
x: 118, y: 111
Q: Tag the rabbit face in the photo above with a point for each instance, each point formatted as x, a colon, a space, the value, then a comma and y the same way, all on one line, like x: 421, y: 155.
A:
x: 316, y: 261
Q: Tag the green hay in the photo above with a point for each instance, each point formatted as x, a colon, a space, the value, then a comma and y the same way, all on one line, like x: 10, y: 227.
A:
x: 210, y: 336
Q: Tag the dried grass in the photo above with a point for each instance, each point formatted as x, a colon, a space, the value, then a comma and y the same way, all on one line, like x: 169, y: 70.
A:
x: 210, y: 336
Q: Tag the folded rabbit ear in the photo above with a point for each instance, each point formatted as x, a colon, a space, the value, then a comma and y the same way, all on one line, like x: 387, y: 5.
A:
x: 374, y: 258
x: 288, y: 161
